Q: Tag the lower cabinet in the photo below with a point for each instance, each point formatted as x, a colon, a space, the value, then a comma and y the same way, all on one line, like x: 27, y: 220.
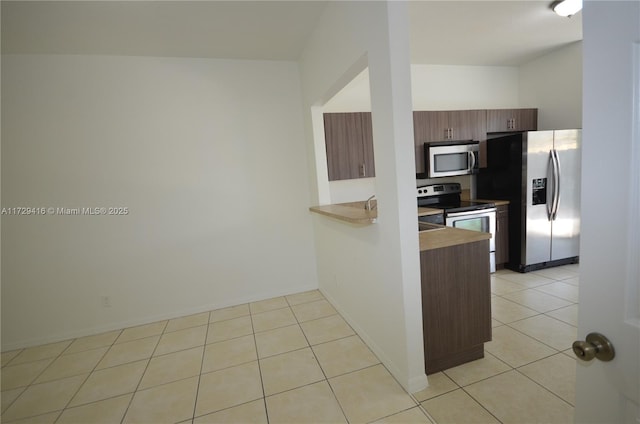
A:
x: 456, y: 304
x: 502, y: 236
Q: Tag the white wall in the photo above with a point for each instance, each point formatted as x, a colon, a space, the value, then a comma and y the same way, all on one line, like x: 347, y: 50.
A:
x: 371, y: 273
x: 211, y: 168
x: 442, y: 87
x: 553, y: 84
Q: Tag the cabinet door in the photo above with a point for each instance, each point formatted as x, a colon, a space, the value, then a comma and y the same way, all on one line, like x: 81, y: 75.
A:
x: 499, y: 120
x: 430, y: 126
x: 507, y: 120
x: 463, y: 125
x: 526, y: 119
x: 502, y: 235
x: 345, y: 137
x: 427, y: 126
x: 456, y: 304
x: 471, y: 125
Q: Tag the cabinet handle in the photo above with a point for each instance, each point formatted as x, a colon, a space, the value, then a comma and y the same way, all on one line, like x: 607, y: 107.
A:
x: 448, y: 133
x: 363, y: 170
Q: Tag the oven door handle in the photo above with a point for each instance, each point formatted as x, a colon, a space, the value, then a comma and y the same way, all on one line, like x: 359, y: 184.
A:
x: 468, y: 213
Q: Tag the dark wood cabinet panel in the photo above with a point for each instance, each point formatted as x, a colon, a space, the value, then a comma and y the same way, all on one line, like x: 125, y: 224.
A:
x: 431, y: 126
x: 507, y: 120
x: 468, y: 124
x: 349, y: 145
x: 502, y: 236
x: 427, y: 126
x: 456, y: 304
x: 369, y: 164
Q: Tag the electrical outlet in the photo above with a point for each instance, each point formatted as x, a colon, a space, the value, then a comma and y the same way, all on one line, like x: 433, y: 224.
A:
x: 105, y: 301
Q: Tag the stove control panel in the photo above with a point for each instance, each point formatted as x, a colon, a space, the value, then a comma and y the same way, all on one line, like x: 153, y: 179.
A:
x: 439, y: 189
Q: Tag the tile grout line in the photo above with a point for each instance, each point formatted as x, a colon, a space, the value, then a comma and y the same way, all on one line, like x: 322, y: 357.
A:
x: 537, y: 340
x: 61, y: 411
x: 542, y: 386
x: 144, y: 372
x: 204, y: 353
x: 255, y: 343
x: 320, y: 366
x: 481, y: 405
x: 87, y: 377
x: 358, y: 370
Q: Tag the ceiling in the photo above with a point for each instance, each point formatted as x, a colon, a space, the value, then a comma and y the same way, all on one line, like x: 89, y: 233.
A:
x: 442, y: 32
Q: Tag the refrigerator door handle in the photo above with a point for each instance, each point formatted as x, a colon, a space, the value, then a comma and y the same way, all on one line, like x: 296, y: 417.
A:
x: 551, y: 202
x: 557, y: 174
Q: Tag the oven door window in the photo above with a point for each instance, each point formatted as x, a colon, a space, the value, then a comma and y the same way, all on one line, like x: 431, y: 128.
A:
x: 448, y: 162
x: 480, y: 223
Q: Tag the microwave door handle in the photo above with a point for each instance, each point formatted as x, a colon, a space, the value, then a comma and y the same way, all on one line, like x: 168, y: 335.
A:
x: 472, y: 161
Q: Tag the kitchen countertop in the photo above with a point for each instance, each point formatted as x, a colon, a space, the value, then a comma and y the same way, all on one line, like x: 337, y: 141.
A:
x: 465, y: 195
x: 355, y: 213
x: 449, y: 236
x: 429, y: 211
x: 497, y: 202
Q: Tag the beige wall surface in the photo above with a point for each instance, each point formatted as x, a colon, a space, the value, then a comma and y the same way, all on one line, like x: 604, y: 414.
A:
x: 211, y: 169
x: 553, y: 84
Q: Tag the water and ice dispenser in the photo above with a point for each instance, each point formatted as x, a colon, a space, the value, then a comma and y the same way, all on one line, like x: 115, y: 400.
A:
x: 539, y: 191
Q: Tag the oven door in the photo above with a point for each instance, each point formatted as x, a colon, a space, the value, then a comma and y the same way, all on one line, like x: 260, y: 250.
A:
x: 480, y: 220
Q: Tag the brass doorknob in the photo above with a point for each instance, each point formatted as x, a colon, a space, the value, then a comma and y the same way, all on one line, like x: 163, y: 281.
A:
x: 596, y: 346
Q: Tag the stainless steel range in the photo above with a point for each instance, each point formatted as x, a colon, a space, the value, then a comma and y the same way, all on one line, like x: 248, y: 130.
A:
x: 465, y: 214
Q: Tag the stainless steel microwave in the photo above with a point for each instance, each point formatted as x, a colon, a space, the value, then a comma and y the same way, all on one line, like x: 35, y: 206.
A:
x: 449, y: 158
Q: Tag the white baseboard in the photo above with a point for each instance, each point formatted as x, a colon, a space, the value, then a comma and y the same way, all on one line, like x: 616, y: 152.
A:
x: 58, y: 337
x: 413, y: 384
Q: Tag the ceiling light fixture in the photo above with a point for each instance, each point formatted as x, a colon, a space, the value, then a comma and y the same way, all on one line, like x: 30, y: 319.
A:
x: 566, y: 8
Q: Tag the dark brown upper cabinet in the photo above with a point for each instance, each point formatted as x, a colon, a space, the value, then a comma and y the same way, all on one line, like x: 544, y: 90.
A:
x: 431, y: 126
x: 349, y: 136
x: 349, y: 144
x: 507, y: 120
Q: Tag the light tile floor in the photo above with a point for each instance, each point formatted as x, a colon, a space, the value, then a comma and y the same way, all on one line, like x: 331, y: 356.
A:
x: 293, y: 359
x: 528, y: 372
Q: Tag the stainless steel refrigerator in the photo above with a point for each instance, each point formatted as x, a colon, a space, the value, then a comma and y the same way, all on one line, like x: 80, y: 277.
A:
x: 539, y: 173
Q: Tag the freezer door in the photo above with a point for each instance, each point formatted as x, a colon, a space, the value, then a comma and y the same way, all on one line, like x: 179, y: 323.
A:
x: 565, y: 229
x: 538, y: 196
